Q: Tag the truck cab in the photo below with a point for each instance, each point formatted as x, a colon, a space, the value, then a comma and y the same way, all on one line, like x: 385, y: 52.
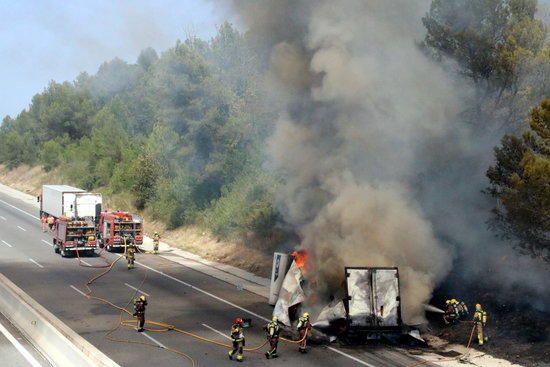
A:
x: 117, y: 229
x: 74, y: 237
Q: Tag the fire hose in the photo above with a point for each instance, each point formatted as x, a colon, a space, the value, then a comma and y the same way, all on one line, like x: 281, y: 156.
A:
x: 162, y: 327
x: 457, y: 358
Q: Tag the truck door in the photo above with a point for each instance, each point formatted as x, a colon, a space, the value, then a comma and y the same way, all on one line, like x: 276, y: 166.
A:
x: 386, y: 297
x: 360, y: 297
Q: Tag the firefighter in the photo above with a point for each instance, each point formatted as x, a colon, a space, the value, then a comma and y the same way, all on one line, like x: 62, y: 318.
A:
x: 156, y: 240
x: 43, y: 222
x: 50, y: 221
x: 130, y: 253
x: 461, y: 309
x: 451, y: 313
x: 303, y: 327
x: 480, y: 319
x: 272, y: 330
x: 237, y: 336
x: 139, y: 312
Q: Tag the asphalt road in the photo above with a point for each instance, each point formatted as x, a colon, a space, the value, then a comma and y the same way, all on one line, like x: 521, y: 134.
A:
x: 177, y: 295
x: 15, y: 350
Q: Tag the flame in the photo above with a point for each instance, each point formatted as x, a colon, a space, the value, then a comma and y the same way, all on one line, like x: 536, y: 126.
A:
x: 300, y: 258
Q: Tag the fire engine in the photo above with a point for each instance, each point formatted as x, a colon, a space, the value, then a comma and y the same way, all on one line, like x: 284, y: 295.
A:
x: 74, y: 213
x: 115, y: 229
x: 72, y: 236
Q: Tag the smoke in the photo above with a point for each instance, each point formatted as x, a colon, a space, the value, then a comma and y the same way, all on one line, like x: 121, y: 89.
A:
x: 378, y: 168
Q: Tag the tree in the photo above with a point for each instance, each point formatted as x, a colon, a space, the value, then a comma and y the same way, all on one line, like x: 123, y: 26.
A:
x: 63, y: 109
x: 520, y: 180
x: 147, y: 58
x: 489, y: 39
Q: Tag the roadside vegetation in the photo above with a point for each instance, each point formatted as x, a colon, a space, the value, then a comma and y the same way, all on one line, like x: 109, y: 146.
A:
x: 183, y: 132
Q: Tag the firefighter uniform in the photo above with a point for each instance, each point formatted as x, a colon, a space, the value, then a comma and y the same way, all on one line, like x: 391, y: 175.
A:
x: 130, y: 255
x: 462, y: 309
x: 451, y: 312
x: 156, y: 240
x: 139, y: 312
x: 50, y: 221
x: 237, y: 336
x: 272, y: 330
x: 480, y: 319
x: 303, y: 327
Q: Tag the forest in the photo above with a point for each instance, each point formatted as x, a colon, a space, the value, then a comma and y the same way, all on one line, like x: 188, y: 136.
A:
x: 183, y: 132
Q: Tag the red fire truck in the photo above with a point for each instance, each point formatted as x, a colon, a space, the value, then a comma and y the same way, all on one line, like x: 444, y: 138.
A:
x: 115, y: 227
x: 70, y: 236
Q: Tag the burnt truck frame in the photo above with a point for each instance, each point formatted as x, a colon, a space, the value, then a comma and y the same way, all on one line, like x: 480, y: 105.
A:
x: 373, y: 304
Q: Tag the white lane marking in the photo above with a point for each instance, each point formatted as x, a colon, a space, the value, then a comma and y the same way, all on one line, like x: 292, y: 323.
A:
x: 47, y: 243
x: 7, y: 244
x: 79, y: 291
x: 154, y: 340
x: 243, y: 309
x: 37, y: 264
x: 85, y: 263
x: 216, y: 331
x: 198, y: 290
x: 3, y: 218
x: 205, y: 292
x: 19, y: 347
x: 134, y: 288
x: 21, y: 228
x: 21, y: 210
x: 350, y: 357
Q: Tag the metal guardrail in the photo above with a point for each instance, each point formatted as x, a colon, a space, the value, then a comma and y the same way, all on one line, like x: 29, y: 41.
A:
x: 56, y: 341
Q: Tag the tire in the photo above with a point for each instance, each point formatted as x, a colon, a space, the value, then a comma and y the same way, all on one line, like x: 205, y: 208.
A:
x: 109, y: 248
x: 55, y: 247
x: 64, y: 253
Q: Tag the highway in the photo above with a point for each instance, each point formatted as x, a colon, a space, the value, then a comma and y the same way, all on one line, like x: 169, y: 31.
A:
x: 177, y: 295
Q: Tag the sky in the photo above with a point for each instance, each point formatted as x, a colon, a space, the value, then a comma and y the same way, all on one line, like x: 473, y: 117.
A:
x: 44, y: 40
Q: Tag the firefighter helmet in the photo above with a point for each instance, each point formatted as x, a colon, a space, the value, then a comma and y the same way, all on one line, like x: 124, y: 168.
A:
x: 238, y: 321
x: 142, y: 298
x: 275, y: 319
x: 478, y: 307
x: 454, y: 301
x: 306, y: 314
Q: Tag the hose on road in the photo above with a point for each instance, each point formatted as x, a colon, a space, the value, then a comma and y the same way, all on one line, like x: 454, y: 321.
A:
x: 160, y: 326
x: 450, y: 359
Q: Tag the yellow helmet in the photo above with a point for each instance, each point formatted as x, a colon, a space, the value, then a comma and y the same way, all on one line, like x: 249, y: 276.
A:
x: 306, y: 314
x: 447, y: 301
x: 142, y: 298
x: 478, y: 307
x: 275, y: 319
x: 454, y: 301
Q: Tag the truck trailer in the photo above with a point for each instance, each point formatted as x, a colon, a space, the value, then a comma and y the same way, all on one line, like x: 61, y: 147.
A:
x: 116, y: 229
x: 62, y: 201
x: 373, y: 303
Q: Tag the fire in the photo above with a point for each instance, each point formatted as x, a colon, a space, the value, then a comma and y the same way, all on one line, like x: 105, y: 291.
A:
x: 300, y: 257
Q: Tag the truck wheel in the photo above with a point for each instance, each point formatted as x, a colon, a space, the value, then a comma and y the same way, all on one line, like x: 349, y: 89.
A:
x: 64, y: 253
x: 55, y: 248
x: 109, y: 248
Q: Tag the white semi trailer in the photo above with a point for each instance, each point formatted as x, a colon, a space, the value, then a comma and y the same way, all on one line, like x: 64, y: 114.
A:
x: 62, y: 201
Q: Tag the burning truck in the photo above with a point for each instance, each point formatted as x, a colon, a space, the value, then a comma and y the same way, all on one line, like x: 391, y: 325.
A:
x: 369, y: 306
